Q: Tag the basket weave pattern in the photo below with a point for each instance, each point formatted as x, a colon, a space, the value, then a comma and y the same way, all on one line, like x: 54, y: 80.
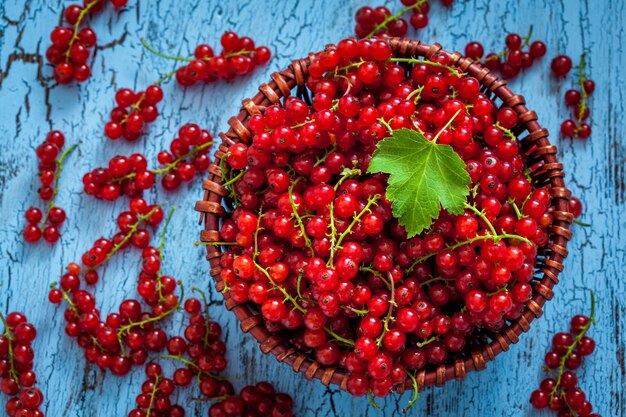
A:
x: 541, y: 157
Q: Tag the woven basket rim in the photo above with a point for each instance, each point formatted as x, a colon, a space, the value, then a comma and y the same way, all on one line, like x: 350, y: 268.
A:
x: 542, y: 155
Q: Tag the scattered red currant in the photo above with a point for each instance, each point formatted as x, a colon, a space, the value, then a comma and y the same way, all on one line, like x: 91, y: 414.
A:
x: 72, y: 44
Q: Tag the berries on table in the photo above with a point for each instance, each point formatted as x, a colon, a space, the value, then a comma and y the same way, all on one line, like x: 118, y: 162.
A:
x: 561, y: 391
x: 379, y: 22
x: 50, y: 166
x: 239, y: 56
x: 17, y: 378
x: 577, y: 100
x: 561, y: 65
x: 72, y: 44
x: 134, y: 110
x: 125, y: 338
x: 513, y: 59
x: 130, y: 176
x: 312, y: 242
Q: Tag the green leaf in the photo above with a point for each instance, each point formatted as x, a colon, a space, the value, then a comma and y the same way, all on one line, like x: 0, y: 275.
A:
x: 423, y: 177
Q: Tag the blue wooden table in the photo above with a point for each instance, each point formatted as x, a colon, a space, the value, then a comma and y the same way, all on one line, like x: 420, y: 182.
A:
x: 30, y: 106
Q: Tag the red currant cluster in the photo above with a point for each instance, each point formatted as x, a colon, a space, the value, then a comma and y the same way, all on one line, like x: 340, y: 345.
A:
x: 513, y: 58
x: 313, y: 240
x: 200, y: 354
x: 577, y: 99
x: 124, y: 175
x: 188, y: 155
x: 71, y: 45
x: 123, y: 339
x: 50, y: 167
x: 380, y: 22
x: 16, y: 367
x: 239, y: 56
x: 133, y: 111
x: 561, y: 392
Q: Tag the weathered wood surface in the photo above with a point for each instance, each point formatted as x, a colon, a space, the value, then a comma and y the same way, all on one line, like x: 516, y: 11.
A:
x: 30, y: 107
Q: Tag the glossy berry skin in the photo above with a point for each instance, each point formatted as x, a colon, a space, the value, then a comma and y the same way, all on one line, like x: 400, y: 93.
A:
x: 561, y: 65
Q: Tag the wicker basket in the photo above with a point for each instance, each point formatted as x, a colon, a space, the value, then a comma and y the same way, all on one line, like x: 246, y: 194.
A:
x: 541, y: 156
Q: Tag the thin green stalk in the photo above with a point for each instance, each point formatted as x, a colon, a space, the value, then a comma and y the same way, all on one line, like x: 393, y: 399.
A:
x: 453, y: 70
x: 355, y: 220
x: 81, y: 16
x: 281, y: 289
x: 57, y: 176
x: 446, y: 125
x: 162, y: 55
x: 299, y: 223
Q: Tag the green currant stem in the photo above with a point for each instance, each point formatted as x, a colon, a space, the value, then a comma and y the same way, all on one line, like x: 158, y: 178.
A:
x: 415, y: 393
x: 582, y: 77
x: 197, y: 243
x: 389, y: 19
x: 372, y: 401
x: 386, y: 124
x: 453, y: 70
x: 162, y: 55
x: 155, y: 389
x: 180, y: 359
x: 299, y: 285
x: 360, y: 312
x: 389, y: 316
x: 129, y: 235
x: 163, y: 233
x: 234, y: 179
x: 447, y: 125
x: 343, y: 340
x: 333, y: 233
x: 7, y: 334
x: 256, y: 235
x: 322, y: 159
x: 57, y: 176
x: 417, y: 93
x: 482, y: 215
x: 518, y: 213
x: 135, y: 106
x: 345, y: 174
x: 124, y: 330
x: 375, y: 273
x: 192, y: 152
x: 578, y: 222
x: 281, y: 289
x: 498, y: 291
x: 299, y: 222
x: 425, y: 342
x: 436, y: 279
x: 238, y: 53
x: 81, y: 17
x: 509, y: 133
x: 577, y: 339
x: 357, y: 219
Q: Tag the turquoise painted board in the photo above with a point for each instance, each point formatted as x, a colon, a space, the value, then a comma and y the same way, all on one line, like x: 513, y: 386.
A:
x: 31, y: 106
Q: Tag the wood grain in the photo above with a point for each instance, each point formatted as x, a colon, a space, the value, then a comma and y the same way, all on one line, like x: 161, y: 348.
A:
x: 30, y: 105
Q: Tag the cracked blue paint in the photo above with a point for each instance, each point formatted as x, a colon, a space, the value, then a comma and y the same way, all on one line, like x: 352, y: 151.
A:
x: 31, y: 105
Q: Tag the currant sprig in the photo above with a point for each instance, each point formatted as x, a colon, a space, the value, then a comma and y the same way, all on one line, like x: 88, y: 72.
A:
x: 50, y: 167
x: 560, y: 392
